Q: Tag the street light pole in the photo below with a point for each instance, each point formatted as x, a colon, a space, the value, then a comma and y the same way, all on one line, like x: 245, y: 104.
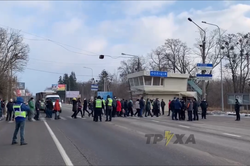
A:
x: 203, y: 57
x: 138, y: 60
x: 221, y: 66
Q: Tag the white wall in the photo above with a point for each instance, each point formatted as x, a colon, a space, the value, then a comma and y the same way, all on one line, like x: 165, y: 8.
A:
x: 174, y: 84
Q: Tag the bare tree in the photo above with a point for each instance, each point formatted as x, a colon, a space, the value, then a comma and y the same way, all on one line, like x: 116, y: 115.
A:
x: 236, y: 48
x: 177, y: 54
x: 13, y: 54
x: 131, y: 66
x: 174, y: 56
x: 157, y: 60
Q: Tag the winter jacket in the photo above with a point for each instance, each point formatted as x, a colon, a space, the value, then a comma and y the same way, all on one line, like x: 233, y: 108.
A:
x: 148, y: 106
x: 137, y: 105
x: 49, y: 105
x: 24, y: 107
x: 10, y: 106
x: 74, y: 106
x: 142, y: 104
x: 125, y: 104
x: 204, y: 105
x: 177, y: 105
x: 195, y: 106
x: 85, y: 104
x: 31, y: 105
x: 57, y: 106
x: 130, y: 104
x: 190, y: 106
x: 172, y: 105
x: 118, y: 106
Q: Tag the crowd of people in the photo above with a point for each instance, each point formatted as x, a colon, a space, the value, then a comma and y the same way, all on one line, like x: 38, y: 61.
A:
x: 116, y: 107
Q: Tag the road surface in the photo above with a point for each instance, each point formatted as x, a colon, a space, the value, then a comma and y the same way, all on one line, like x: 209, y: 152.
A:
x: 218, y: 141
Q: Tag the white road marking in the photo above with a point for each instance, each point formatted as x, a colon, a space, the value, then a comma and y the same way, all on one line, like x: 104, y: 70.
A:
x: 184, y: 126
x: 59, y: 146
x: 155, y: 121
x: 231, y: 135
x: 63, y: 118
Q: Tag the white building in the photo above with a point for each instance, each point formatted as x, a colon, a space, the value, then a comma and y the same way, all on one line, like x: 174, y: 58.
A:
x: 160, y: 85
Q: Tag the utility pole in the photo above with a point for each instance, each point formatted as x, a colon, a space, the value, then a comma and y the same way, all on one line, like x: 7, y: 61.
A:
x: 204, y: 71
x: 203, y: 57
x: 221, y: 66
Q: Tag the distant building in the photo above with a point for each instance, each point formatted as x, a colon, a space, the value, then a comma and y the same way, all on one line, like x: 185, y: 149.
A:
x: 160, y: 85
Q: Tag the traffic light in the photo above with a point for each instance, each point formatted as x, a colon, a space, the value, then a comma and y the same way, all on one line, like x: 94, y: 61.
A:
x: 101, y: 56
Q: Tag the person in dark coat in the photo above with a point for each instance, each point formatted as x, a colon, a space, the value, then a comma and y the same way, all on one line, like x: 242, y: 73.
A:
x: 37, y: 107
x: 85, y: 106
x: 183, y: 108
x: 114, y: 107
x: 204, y: 106
x: 148, y: 108
x: 173, y: 108
x: 195, y: 109
x: 237, y: 109
x: 50, y: 108
x: 163, y: 106
x: 9, y: 110
x: 74, y: 108
x: 125, y: 105
x: 130, y: 108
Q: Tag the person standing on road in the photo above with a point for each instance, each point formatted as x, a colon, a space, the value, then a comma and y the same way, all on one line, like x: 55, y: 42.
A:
x: 85, y: 106
x: 195, y: 107
x: 125, y: 108
x: 104, y: 107
x: 74, y: 108
x: 182, y: 113
x: 137, y: 107
x: 118, y: 107
x: 142, y: 106
x: 163, y: 106
x: 157, y: 107
x: 32, y: 109
x: 172, y: 107
x: 130, y: 108
x: 204, y: 106
x: 109, y: 107
x: 237, y: 109
x: 98, y: 109
x: 190, y: 109
x: 21, y: 110
x: 37, y: 107
x: 79, y: 107
x: 57, y: 109
x: 177, y: 107
x: 169, y: 109
x: 9, y: 110
x: 114, y: 107
x: 148, y: 108
x: 50, y: 108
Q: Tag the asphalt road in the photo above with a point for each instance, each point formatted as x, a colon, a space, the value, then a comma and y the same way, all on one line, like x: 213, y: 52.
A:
x: 218, y: 141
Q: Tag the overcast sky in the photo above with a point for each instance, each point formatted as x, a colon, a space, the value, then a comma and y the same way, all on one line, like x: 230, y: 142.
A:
x: 93, y: 28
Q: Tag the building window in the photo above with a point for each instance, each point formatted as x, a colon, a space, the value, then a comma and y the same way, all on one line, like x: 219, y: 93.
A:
x: 131, y: 82
x: 141, y: 80
x: 156, y: 81
x: 147, y: 80
x: 162, y: 81
x: 136, y: 82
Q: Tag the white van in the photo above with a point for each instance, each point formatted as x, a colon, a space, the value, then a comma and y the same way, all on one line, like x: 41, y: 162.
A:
x: 53, y: 98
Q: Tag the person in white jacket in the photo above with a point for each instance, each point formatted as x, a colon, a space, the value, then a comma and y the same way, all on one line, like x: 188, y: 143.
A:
x: 137, y: 107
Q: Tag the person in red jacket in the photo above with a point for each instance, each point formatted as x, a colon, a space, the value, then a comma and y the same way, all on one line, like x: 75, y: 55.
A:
x: 119, y: 107
x: 169, y: 107
x: 57, y: 109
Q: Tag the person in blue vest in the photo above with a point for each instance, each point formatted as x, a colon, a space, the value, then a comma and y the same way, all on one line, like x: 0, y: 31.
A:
x: 20, y: 110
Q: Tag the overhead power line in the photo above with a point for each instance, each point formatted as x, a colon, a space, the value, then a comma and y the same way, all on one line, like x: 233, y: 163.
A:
x: 54, y: 72
x: 55, y: 42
